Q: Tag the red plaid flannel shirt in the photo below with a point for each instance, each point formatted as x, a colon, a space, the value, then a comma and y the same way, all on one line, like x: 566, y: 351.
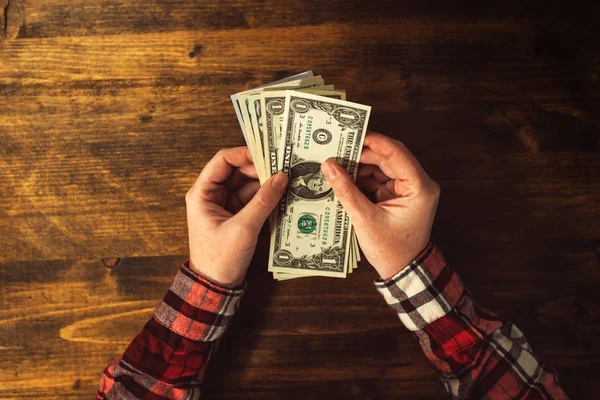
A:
x: 167, y: 359
x: 476, y: 353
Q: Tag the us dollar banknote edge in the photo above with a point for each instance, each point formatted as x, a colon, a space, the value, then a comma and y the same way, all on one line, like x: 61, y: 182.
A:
x: 235, y: 97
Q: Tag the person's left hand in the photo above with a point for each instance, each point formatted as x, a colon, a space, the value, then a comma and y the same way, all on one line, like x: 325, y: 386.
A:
x: 226, y: 209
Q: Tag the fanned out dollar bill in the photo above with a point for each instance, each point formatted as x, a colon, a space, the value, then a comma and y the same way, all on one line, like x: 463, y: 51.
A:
x: 293, y: 125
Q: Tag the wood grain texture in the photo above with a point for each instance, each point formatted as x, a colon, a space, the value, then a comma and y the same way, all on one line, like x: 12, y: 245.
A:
x: 62, y: 325
x: 87, y: 129
x: 110, y: 109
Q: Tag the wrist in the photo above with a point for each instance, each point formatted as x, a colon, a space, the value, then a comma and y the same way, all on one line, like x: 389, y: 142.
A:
x: 225, y: 277
x: 391, y: 267
x: 387, y: 271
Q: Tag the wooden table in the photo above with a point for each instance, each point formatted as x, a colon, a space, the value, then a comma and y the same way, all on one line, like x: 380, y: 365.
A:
x: 110, y: 109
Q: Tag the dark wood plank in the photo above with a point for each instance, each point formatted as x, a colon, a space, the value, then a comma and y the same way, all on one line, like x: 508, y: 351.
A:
x: 80, y: 18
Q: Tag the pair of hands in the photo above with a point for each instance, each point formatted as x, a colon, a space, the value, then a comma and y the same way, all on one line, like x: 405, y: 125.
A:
x: 227, y: 207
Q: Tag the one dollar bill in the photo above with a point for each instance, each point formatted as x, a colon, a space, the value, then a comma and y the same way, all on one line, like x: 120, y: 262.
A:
x: 272, y: 106
x: 311, y: 232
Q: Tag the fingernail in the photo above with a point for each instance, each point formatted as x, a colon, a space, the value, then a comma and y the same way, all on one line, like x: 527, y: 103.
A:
x: 280, y: 181
x: 328, y: 170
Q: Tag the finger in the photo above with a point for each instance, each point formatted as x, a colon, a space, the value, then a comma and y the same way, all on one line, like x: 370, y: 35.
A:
x: 216, y: 195
x: 371, y: 171
x: 249, y: 170
x: 260, y: 206
x: 365, y: 170
x: 368, y: 184
x: 239, y: 198
x: 391, y: 156
x: 380, y: 143
x: 355, y: 202
x: 385, y: 192
x: 238, y: 178
x: 234, y: 205
x: 379, y: 176
x: 220, y: 167
x: 369, y: 157
x: 247, y: 192
x: 392, y: 167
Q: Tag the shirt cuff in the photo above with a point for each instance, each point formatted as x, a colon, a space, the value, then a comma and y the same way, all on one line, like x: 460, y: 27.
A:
x: 426, y: 290
x: 197, y: 308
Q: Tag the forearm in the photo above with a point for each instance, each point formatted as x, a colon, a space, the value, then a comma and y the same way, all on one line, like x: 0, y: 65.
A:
x: 477, y: 354
x: 169, y: 356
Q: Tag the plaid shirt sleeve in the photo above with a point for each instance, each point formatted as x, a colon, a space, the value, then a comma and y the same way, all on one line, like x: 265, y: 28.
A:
x: 478, y: 355
x: 167, y: 359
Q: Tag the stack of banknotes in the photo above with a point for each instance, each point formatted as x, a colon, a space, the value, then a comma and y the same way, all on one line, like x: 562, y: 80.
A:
x: 293, y: 125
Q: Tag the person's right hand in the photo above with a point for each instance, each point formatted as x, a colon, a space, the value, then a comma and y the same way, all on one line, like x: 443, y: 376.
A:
x: 394, y: 230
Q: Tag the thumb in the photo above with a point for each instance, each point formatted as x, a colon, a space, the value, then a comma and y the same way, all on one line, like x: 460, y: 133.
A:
x: 264, y: 201
x: 355, y: 203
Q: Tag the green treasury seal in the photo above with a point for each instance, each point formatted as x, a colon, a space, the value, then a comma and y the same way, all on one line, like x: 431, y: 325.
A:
x: 307, y: 223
